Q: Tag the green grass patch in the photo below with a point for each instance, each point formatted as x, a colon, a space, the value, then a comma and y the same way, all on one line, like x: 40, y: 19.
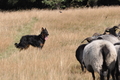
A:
x: 22, y: 30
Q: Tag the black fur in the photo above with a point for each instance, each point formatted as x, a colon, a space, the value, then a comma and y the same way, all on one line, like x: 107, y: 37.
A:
x: 79, y: 55
x: 117, y: 43
x: 34, y: 40
x: 112, y: 30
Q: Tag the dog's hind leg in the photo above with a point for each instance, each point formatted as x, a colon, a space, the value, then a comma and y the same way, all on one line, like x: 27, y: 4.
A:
x: 26, y: 46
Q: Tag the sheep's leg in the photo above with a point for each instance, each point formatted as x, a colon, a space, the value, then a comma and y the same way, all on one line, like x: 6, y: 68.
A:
x: 108, y: 75
x: 117, y: 71
x: 101, y: 75
x: 90, y: 69
x: 93, y: 75
x: 112, y: 73
x: 82, y: 67
x: 117, y: 75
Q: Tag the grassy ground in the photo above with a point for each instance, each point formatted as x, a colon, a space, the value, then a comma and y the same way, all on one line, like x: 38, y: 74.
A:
x: 56, y: 61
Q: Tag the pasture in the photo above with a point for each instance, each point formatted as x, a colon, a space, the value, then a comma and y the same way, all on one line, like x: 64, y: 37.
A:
x: 56, y: 61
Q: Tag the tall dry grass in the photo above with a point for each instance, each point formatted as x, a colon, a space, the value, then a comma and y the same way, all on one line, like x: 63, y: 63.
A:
x: 56, y: 61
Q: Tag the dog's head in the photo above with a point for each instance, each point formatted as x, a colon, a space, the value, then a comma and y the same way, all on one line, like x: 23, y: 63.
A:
x: 44, y: 33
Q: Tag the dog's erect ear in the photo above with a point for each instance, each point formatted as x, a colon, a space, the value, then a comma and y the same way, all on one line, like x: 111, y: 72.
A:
x: 45, y: 29
x: 42, y: 28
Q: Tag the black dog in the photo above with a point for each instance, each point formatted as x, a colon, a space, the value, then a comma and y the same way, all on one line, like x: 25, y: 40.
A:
x: 34, y: 40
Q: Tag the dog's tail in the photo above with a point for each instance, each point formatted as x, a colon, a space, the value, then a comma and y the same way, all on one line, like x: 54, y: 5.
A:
x: 17, y: 45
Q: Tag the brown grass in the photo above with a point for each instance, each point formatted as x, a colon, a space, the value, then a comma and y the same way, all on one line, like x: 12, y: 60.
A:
x: 56, y: 61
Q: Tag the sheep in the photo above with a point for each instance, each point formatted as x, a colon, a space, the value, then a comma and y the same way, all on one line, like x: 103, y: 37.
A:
x: 112, y: 36
x: 79, y: 55
x: 109, y: 37
x: 117, y: 46
x: 100, y: 56
x: 115, y: 39
x: 112, y: 30
x: 79, y: 50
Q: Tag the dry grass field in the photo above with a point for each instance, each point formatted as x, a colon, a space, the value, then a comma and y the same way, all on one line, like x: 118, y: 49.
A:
x: 56, y: 61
